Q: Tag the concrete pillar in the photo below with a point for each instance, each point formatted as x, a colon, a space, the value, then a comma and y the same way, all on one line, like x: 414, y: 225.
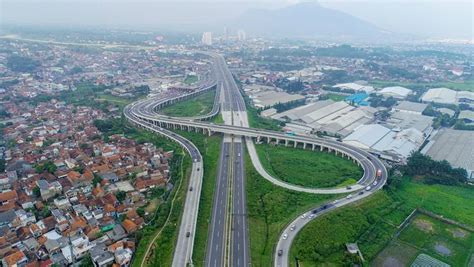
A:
x: 304, y: 145
x: 321, y: 148
x: 295, y: 144
x: 258, y: 139
x: 268, y: 140
x: 286, y: 142
x: 312, y: 147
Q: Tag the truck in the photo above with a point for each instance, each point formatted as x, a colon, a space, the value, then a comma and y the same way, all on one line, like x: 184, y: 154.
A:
x: 379, y: 173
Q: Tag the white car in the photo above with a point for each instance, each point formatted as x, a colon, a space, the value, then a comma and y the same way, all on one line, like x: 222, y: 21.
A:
x: 303, y: 216
x: 368, y: 188
x: 335, y: 201
x: 311, y: 216
x: 349, y: 196
x: 292, y: 228
x: 375, y: 183
x: 285, y: 236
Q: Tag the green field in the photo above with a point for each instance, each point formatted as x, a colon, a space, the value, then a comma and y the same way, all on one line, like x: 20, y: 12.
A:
x: 199, y: 105
x: 307, y: 168
x: 372, y: 222
x: 336, y: 97
x: 467, y: 85
x: 269, y: 209
x: 424, y: 234
x: 190, y: 79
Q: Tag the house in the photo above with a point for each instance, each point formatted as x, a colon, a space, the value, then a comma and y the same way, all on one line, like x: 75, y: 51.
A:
x: 8, y: 200
x: 100, y: 256
x: 129, y: 226
x: 123, y: 256
x: 15, y: 259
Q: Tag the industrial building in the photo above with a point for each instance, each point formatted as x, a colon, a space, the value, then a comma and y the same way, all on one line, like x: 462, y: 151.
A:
x: 410, y: 107
x: 397, y: 92
x: 391, y: 144
x: 327, y: 116
x: 455, y: 146
x: 448, y: 96
x: 355, y: 87
x: 267, y: 96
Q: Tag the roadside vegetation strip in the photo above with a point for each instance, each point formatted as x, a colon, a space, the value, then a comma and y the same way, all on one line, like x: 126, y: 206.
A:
x: 270, y: 208
x: 210, y: 148
x: 373, y: 222
x: 196, y: 106
x: 312, y: 169
x: 156, y: 240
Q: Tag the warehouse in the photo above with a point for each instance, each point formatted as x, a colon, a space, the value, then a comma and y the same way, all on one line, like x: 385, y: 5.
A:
x: 267, y: 96
x: 390, y: 144
x: 448, y: 96
x: 329, y: 117
x: 410, y: 107
x: 455, y: 146
x: 395, y: 92
x: 355, y: 87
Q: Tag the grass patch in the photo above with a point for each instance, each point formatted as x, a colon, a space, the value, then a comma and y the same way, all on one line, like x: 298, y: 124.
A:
x: 197, y: 106
x: 372, y: 222
x: 335, y: 97
x: 306, y: 167
x: 269, y: 209
x: 256, y: 121
x: 190, y: 79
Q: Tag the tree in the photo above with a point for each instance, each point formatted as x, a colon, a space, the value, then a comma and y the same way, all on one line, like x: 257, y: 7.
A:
x: 48, y: 166
x: 2, y: 165
x: 36, y: 191
x: 121, y: 195
x: 21, y: 64
x: 96, y: 180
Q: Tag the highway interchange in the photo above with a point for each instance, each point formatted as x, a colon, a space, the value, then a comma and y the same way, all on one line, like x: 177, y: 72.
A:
x: 228, y: 243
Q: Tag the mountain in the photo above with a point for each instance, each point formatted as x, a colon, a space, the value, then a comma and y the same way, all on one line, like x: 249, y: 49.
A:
x: 307, y: 19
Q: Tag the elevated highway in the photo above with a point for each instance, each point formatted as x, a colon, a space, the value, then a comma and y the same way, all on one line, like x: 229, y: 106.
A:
x: 144, y: 113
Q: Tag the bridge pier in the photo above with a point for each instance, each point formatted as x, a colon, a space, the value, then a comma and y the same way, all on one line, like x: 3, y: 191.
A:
x: 295, y: 144
x: 286, y: 142
x: 312, y: 147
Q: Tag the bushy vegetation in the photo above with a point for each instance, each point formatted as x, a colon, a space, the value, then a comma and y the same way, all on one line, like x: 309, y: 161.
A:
x: 323, y: 240
x: 434, y: 172
x: 379, y: 101
x: 280, y: 107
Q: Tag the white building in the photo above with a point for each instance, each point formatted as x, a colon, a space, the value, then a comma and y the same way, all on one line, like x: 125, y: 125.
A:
x: 389, y: 144
x: 396, y: 92
x: 241, y: 35
x: 207, y: 38
x: 410, y: 107
x: 448, y: 96
x: 356, y: 87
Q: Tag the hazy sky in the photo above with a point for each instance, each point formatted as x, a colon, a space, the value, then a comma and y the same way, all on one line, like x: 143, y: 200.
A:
x: 435, y: 18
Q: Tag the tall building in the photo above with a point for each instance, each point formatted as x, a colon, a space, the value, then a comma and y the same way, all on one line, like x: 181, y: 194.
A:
x: 241, y: 35
x: 207, y: 38
x: 226, y: 34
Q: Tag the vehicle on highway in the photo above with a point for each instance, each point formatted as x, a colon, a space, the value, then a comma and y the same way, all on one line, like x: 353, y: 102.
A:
x: 188, y: 234
x: 348, y: 187
x: 285, y: 236
x: 361, y: 192
x: 238, y: 154
x: 375, y: 183
x: 369, y: 158
x: 379, y: 173
x: 303, y: 216
x: 368, y: 188
x: 335, y: 201
x: 293, y: 227
x: 190, y: 188
x: 311, y: 216
x: 198, y: 169
x: 280, y: 252
x: 349, y: 196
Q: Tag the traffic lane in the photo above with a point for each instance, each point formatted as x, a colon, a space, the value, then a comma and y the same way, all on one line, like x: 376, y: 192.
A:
x: 216, y: 243
x: 239, y: 219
